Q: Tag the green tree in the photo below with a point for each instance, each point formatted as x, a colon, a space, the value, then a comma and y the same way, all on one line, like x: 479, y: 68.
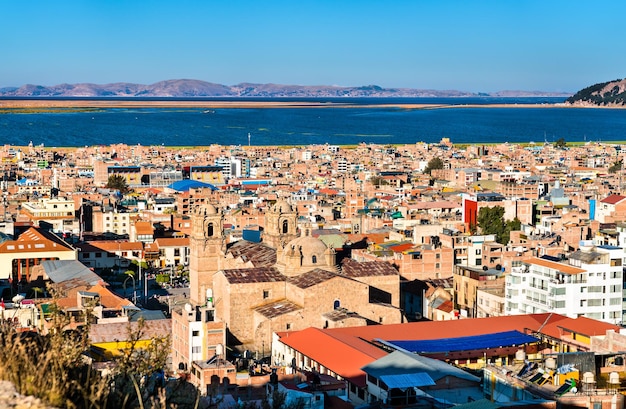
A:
x: 616, y: 166
x: 491, y: 221
x: 510, y: 225
x: 560, y: 143
x: 434, y: 163
x: 118, y: 182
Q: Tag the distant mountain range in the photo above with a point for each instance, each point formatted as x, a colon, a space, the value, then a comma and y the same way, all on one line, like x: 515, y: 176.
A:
x: 610, y: 94
x: 185, y: 88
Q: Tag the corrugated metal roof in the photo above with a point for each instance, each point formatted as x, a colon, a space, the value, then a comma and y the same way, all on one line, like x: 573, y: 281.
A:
x: 403, y: 381
x: 63, y: 270
x: 186, y: 184
x: 496, y: 340
x: 401, y: 363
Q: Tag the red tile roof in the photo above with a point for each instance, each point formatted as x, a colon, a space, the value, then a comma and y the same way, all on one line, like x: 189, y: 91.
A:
x: 613, y: 199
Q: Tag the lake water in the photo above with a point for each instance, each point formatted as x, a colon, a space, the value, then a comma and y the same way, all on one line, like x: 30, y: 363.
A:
x: 333, y: 125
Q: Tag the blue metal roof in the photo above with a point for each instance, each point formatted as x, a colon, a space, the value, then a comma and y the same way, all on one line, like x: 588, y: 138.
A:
x: 409, y: 380
x: 186, y: 184
x: 499, y: 339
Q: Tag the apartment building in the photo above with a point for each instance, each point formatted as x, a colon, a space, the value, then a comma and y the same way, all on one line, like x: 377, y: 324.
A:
x: 55, y: 213
x: 588, y: 283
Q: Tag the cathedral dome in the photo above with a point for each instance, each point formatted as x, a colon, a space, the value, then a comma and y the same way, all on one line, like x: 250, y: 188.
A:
x: 205, y: 209
x: 282, y: 206
x: 310, y: 249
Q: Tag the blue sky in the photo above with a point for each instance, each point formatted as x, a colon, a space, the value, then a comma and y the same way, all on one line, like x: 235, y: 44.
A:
x: 547, y: 45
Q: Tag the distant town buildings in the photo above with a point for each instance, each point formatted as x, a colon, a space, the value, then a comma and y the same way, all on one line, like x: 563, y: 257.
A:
x: 281, y: 246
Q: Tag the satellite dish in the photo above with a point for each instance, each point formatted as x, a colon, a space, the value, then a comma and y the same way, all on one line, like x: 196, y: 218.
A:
x: 18, y: 299
x: 188, y: 307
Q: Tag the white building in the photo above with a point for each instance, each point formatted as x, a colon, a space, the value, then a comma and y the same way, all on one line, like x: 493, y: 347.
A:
x: 59, y: 213
x: 588, y: 283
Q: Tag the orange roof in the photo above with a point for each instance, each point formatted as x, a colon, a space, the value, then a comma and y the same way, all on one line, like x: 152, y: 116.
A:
x: 446, y: 306
x: 338, y: 352
x: 34, y: 240
x: 113, y: 246
x: 144, y: 228
x: 329, y: 192
x: 401, y: 247
x: 563, y: 268
x: 172, y: 242
x: 346, y: 350
x: 108, y: 299
x: 480, y: 326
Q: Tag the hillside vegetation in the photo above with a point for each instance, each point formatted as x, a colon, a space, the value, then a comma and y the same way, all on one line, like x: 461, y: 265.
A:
x: 611, y: 93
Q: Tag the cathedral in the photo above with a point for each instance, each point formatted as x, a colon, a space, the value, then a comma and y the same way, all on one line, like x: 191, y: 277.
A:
x: 289, y: 281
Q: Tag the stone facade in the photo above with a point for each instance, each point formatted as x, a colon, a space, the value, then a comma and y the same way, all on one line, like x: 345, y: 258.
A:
x: 299, y: 285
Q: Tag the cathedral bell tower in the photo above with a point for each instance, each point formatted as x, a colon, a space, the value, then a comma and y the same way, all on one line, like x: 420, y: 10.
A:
x: 206, y: 246
x: 280, y: 225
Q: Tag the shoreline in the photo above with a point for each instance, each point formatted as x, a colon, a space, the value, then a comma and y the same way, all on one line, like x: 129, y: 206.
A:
x: 43, y: 104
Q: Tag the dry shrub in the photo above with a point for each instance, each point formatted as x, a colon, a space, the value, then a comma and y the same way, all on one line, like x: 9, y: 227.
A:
x: 56, y: 367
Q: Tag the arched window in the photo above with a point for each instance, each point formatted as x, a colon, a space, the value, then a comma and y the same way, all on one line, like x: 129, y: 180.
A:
x: 314, y: 259
x: 285, y: 227
x: 336, y: 304
x: 209, y: 230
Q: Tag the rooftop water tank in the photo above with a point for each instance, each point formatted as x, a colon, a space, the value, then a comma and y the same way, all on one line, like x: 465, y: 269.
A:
x: 588, y: 377
x: 614, y: 378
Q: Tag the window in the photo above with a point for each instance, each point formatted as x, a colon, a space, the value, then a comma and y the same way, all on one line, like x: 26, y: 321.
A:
x: 314, y: 259
x: 266, y: 294
x: 209, y: 230
x: 285, y: 227
x: 195, y: 333
x: 288, y: 326
x: 98, y: 255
